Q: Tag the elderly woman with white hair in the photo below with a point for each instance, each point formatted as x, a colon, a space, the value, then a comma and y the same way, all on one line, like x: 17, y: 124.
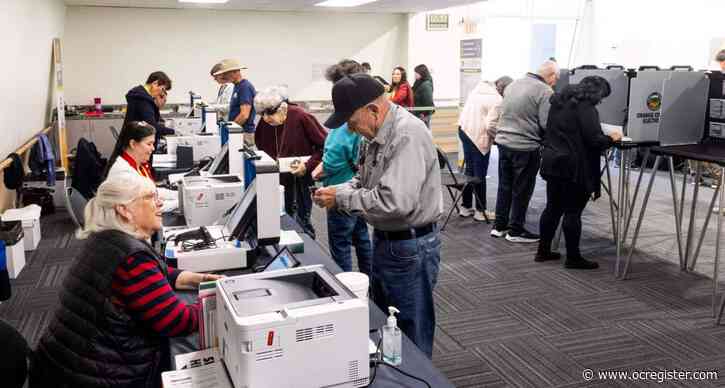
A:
x: 117, y: 307
x: 286, y: 130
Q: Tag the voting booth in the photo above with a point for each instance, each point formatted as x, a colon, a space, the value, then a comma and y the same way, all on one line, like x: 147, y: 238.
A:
x: 667, y: 106
x: 613, y: 109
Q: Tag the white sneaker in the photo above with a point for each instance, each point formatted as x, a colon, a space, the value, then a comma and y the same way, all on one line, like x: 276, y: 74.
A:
x: 479, y: 216
x: 465, y: 212
x: 498, y: 233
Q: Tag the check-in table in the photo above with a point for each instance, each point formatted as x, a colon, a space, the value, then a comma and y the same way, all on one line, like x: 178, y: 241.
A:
x: 414, y: 361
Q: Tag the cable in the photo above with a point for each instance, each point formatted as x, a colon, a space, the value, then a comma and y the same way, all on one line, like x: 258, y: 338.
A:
x: 402, y: 372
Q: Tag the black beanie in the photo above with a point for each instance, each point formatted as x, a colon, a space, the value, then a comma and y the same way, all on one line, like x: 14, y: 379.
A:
x: 14, y: 173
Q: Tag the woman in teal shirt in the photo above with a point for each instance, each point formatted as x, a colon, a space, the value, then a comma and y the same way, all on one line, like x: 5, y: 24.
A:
x: 339, y: 165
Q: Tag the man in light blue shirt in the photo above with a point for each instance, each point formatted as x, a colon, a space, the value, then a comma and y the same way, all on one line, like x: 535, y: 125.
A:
x: 339, y: 165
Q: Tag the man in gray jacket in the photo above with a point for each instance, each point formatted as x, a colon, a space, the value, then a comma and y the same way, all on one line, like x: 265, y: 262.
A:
x: 524, y: 112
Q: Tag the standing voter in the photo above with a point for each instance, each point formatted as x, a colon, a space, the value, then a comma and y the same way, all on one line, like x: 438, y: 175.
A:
x: 224, y: 94
x: 241, y: 105
x: 398, y: 191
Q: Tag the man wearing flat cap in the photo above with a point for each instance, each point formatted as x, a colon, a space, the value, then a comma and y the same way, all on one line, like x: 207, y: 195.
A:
x: 398, y: 191
x: 241, y: 106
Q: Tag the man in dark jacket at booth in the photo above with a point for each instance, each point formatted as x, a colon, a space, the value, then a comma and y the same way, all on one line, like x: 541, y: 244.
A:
x: 142, y: 105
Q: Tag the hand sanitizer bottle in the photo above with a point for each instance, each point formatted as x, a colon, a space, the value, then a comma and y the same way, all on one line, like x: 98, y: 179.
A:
x: 392, y: 339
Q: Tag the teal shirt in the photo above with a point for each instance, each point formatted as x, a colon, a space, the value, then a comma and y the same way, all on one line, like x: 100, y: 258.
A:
x: 341, y: 151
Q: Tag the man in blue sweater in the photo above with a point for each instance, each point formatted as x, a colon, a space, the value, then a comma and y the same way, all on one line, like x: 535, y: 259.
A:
x: 339, y: 164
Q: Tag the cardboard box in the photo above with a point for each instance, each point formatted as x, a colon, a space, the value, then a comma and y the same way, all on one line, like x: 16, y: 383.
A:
x: 29, y: 216
x: 206, y: 199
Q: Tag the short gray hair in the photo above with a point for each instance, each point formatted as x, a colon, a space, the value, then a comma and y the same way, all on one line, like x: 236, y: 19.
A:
x: 548, y: 68
x: 720, y: 57
x: 271, y: 98
x: 100, y: 212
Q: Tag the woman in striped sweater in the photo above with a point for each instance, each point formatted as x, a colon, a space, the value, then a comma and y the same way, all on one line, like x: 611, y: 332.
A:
x: 118, y: 306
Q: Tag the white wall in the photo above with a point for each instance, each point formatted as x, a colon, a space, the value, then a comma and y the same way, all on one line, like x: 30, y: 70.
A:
x: 27, y: 28
x: 663, y: 33
x: 110, y: 50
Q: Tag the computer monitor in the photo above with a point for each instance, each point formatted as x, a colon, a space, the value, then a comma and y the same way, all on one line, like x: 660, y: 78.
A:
x: 220, y: 165
x: 242, y: 221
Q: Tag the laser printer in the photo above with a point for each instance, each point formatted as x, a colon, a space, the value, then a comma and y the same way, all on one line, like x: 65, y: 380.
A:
x: 203, y: 146
x: 206, y: 198
x: 292, y: 328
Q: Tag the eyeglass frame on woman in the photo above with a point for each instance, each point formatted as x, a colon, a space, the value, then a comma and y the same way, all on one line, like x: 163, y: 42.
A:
x: 272, y: 111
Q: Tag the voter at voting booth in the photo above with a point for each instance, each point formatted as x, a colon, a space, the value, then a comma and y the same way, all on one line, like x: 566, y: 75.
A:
x: 132, y: 155
x: 284, y: 131
x: 117, y: 307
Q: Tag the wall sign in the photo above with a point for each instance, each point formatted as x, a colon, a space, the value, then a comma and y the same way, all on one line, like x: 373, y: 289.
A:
x: 471, y: 58
x: 437, y: 22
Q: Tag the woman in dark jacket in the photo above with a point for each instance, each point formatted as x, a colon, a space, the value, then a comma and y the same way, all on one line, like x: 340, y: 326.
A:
x: 570, y: 165
x: 117, y: 308
x: 423, y: 93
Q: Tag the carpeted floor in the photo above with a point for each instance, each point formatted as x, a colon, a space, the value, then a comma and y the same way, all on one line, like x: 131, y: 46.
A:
x: 503, y: 320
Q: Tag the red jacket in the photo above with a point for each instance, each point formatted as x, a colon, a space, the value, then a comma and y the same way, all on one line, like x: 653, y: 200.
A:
x: 300, y: 135
x: 403, y: 96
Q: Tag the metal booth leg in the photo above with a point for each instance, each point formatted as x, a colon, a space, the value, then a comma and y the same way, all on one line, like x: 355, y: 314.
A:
x: 716, y: 270
x: 636, y: 193
x: 693, y: 259
x: 678, y: 224
x: 620, y: 211
x: 612, y: 205
x: 641, y: 216
x: 693, y: 209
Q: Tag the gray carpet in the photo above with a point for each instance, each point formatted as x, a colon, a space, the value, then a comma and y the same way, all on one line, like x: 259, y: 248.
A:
x: 505, y: 321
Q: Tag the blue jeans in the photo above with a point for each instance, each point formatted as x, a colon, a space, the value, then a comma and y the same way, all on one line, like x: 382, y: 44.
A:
x: 476, y: 166
x: 404, y: 274
x: 345, y: 231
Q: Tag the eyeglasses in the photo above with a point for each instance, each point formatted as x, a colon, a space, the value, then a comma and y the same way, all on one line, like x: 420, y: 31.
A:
x: 150, y: 197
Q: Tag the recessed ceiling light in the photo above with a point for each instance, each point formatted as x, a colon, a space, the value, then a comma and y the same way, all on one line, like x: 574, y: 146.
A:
x: 343, y: 3
x: 204, y: 1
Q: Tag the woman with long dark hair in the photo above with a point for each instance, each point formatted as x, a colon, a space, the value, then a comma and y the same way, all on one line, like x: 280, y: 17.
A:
x: 400, y: 88
x: 570, y: 165
x: 132, y: 155
x: 423, y: 93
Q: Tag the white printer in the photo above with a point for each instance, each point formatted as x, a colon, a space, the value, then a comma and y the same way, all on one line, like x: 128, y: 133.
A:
x: 203, y: 146
x: 292, y: 328
x: 206, y: 198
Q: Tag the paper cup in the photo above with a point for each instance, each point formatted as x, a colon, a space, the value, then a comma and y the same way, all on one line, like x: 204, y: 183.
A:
x: 357, y: 282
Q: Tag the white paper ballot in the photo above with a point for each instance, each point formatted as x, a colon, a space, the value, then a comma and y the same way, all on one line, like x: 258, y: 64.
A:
x: 196, y: 359
x: 208, y: 376
x: 609, y: 129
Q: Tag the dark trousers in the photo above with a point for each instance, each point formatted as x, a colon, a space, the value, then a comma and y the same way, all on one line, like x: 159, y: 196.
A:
x: 345, y: 231
x: 298, y: 200
x: 516, y: 181
x: 476, y: 166
x: 404, y: 274
x: 568, y: 200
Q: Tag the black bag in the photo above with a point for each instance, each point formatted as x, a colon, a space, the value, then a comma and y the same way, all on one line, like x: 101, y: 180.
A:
x: 39, y: 196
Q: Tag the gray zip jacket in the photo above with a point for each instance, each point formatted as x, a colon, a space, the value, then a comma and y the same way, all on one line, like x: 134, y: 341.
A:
x: 524, y: 112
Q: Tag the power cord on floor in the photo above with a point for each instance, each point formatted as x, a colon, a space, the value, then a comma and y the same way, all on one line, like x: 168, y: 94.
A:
x: 377, y: 361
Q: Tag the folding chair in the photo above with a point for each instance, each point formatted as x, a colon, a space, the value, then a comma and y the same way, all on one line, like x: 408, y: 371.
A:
x: 455, y: 181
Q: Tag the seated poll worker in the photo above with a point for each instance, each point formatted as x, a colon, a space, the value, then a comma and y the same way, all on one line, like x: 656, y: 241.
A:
x: 398, y: 191
x: 286, y: 130
x: 142, y: 104
x: 117, y: 308
x: 132, y: 155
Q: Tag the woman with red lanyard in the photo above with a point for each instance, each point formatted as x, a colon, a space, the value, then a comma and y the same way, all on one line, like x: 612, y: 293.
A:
x: 131, y: 155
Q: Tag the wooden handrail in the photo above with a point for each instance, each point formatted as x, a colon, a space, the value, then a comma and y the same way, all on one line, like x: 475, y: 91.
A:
x: 23, y: 148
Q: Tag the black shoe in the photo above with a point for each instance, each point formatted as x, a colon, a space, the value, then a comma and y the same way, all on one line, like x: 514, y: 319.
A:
x: 580, y: 263
x: 546, y: 256
x: 522, y: 237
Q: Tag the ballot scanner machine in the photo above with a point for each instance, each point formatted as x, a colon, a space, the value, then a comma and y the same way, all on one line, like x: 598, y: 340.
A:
x: 298, y: 327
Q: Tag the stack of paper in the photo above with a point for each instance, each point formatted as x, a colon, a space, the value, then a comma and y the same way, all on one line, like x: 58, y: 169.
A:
x: 197, y: 370
x: 207, y: 318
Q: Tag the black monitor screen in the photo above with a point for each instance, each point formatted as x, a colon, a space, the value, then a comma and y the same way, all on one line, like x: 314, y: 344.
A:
x: 243, y: 219
x: 220, y: 165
